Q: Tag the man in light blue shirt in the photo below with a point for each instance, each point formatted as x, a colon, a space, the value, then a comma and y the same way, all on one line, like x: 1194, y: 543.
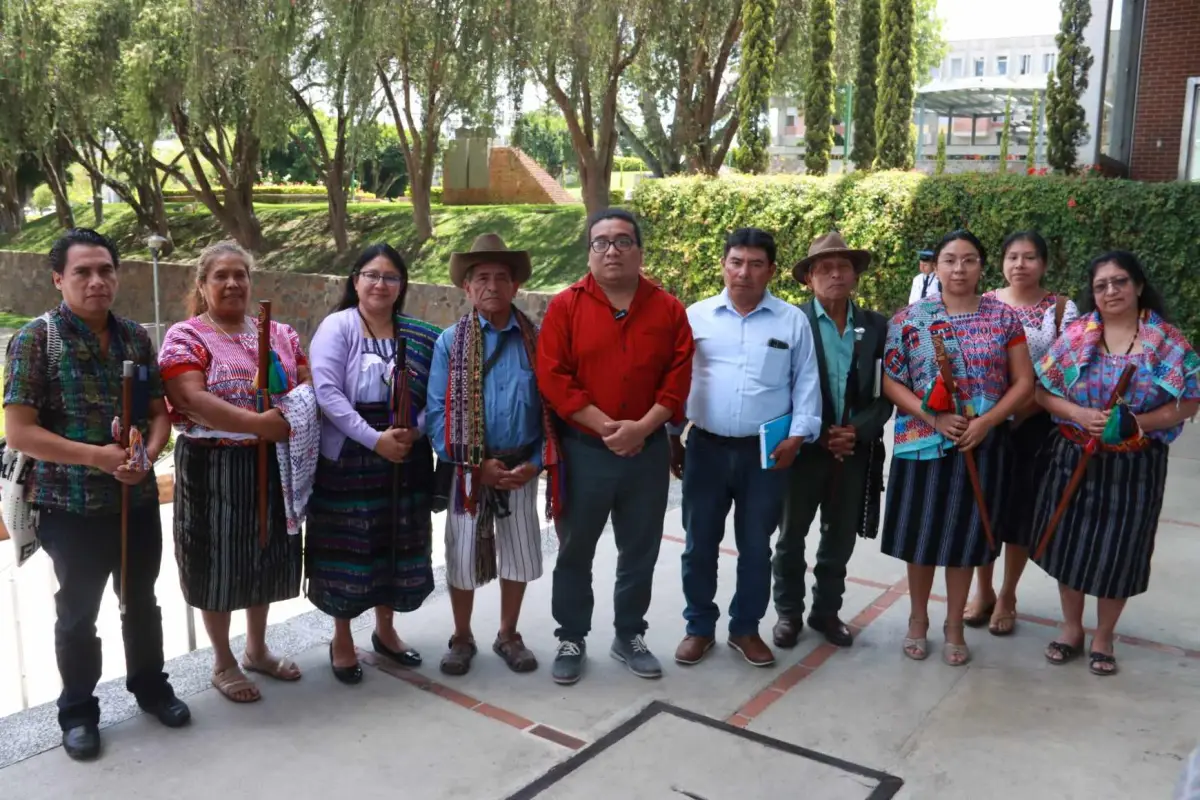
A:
x: 754, y: 363
x: 484, y: 415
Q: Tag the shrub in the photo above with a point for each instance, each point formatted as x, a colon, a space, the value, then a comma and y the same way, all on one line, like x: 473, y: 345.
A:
x: 894, y: 214
x: 628, y: 164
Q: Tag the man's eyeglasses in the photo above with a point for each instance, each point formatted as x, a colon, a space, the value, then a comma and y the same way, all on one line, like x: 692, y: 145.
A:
x: 623, y: 244
x: 373, y: 278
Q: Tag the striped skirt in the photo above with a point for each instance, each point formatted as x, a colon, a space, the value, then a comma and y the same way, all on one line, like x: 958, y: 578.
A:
x: 1102, y: 546
x: 370, y: 525
x: 1031, y: 445
x: 930, y: 516
x: 222, y: 566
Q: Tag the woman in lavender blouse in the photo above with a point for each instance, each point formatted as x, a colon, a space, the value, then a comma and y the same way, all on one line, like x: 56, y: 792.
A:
x: 370, y: 517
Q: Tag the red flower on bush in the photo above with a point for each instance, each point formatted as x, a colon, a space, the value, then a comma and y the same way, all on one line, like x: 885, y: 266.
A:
x: 1031, y: 171
x: 1071, y: 203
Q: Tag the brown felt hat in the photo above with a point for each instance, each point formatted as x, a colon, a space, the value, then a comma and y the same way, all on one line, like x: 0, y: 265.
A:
x: 831, y: 244
x: 490, y: 249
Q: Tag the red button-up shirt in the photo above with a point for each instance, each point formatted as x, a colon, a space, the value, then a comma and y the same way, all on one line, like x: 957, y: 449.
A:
x: 586, y: 356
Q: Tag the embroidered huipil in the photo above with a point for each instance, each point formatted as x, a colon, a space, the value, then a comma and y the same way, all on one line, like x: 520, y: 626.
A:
x: 978, y: 346
x: 1077, y: 369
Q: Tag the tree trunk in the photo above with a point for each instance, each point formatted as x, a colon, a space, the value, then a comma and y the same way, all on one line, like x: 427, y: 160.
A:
x: 53, y: 169
x: 595, y: 182
x: 11, y: 214
x: 422, y: 212
x: 336, y: 190
x: 97, y: 201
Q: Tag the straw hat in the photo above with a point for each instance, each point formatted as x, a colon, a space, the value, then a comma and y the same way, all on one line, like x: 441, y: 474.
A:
x: 490, y: 249
x: 831, y: 244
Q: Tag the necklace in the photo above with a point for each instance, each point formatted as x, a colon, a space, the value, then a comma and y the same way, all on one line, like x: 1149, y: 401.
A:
x: 213, y: 324
x: 1128, y: 350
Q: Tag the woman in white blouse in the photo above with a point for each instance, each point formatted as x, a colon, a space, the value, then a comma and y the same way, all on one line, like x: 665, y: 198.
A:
x: 1043, y: 314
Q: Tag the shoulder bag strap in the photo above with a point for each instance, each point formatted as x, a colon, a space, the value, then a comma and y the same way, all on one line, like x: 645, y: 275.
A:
x: 1060, y: 308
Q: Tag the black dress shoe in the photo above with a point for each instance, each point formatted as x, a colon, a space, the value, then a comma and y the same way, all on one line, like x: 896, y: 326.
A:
x: 82, y: 742
x: 347, y: 675
x: 172, y: 712
x: 786, y: 632
x: 409, y: 658
x: 836, y: 632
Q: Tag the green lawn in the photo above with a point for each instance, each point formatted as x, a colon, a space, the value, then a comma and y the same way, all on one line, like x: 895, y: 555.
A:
x: 8, y: 320
x: 298, y: 238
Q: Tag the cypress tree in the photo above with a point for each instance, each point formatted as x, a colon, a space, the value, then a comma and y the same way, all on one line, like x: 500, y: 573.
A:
x: 940, y: 166
x: 754, y: 88
x: 819, y: 94
x: 1004, y: 134
x: 893, y: 116
x: 1066, y: 123
x: 1035, y: 130
x: 863, y: 153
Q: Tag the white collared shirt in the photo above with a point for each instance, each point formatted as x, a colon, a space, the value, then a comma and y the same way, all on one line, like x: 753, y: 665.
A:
x: 740, y: 381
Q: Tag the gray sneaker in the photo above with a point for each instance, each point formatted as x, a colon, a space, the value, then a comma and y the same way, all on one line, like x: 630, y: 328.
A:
x: 568, y: 662
x: 637, y: 657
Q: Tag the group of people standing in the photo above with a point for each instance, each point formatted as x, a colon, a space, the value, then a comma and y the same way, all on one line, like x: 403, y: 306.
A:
x: 387, y: 418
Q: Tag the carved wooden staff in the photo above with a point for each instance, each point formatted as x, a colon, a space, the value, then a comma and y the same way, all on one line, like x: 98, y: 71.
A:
x: 947, y: 372
x: 263, y: 400
x: 126, y: 421
x: 1084, y: 457
x: 401, y: 418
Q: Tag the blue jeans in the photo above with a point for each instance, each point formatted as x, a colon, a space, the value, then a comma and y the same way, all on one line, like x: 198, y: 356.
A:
x: 719, y: 473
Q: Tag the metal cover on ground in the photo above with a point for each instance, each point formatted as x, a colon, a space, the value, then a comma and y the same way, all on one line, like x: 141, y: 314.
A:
x: 668, y: 752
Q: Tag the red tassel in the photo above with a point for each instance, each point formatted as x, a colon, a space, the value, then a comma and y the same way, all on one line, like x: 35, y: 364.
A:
x: 939, y: 400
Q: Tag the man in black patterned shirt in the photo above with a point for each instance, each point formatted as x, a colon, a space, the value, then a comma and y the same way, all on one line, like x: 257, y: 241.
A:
x: 59, y: 411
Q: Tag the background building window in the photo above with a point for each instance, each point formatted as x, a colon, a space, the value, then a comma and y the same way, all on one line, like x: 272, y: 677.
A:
x: 1048, y: 62
x: 1001, y: 65
x: 1026, y: 64
x: 979, y: 68
x: 956, y: 68
x: 1189, y: 155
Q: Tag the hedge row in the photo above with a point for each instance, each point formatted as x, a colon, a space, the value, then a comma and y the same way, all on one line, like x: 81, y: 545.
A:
x: 272, y: 193
x: 894, y: 214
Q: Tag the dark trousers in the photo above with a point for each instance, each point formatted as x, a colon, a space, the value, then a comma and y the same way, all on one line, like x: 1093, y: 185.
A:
x: 810, y: 489
x: 633, y: 490
x: 86, y: 552
x: 719, y: 473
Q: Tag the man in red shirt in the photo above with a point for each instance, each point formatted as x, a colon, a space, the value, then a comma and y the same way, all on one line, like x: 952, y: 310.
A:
x: 615, y: 363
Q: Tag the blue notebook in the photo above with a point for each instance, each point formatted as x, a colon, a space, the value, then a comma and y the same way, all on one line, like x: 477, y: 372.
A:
x: 770, y: 434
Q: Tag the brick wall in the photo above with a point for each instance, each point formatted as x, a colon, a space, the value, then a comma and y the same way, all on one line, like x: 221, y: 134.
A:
x: 513, y: 178
x: 1170, y: 55
x: 301, y: 301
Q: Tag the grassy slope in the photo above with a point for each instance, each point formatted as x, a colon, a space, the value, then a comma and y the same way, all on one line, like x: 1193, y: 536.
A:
x: 298, y: 238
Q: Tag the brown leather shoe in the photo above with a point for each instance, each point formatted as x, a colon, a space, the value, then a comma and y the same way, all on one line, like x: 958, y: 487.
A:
x: 836, y: 632
x: 693, y: 649
x: 753, y: 649
x: 787, y: 632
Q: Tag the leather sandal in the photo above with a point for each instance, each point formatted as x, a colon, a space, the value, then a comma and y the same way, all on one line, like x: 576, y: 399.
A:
x: 232, y: 681
x: 981, y: 618
x: 916, y: 648
x: 516, y: 655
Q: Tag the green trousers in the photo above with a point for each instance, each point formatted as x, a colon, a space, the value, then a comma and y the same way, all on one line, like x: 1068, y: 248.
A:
x: 812, y: 487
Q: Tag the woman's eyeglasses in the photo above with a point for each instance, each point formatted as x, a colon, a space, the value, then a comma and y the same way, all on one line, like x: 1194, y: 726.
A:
x: 372, y: 278
x: 1117, y: 284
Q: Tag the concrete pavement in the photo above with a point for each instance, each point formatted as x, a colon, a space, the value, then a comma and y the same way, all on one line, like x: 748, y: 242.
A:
x: 823, y: 723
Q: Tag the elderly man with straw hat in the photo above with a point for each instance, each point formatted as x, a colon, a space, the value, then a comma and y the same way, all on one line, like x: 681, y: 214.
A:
x: 841, y: 474
x: 484, y: 415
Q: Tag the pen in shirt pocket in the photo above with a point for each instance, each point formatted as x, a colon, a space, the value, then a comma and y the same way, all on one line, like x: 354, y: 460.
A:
x: 776, y: 344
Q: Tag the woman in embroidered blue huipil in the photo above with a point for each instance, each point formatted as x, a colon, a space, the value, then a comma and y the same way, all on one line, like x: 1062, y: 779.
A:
x: 931, y: 518
x: 1103, y: 543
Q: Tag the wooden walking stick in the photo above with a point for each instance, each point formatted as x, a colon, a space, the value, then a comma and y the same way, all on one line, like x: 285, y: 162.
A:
x: 401, y: 418
x: 126, y: 422
x: 263, y: 400
x: 947, y: 373
x: 1077, y: 476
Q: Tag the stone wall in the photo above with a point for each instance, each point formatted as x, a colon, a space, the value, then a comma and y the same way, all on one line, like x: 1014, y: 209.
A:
x: 301, y: 301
